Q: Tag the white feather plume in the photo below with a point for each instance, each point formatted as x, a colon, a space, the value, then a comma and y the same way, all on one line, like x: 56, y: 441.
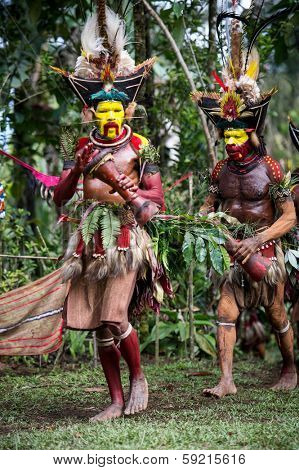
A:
x: 92, y: 44
x: 116, y: 31
x: 83, y: 68
x: 126, y: 64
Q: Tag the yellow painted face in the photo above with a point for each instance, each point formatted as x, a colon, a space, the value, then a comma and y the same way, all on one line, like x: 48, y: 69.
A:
x: 235, y: 136
x: 110, y: 117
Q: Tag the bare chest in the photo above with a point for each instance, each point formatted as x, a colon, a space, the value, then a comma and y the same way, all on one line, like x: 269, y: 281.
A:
x: 253, y: 186
x: 126, y: 161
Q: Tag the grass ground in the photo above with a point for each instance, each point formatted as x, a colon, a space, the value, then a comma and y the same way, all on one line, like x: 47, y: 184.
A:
x: 45, y: 409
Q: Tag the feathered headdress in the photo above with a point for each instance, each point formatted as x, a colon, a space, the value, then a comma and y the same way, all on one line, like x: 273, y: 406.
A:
x: 105, y: 70
x: 240, y: 104
x: 294, y: 133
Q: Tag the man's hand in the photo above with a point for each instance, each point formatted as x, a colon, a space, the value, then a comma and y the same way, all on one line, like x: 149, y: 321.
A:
x: 246, y: 248
x: 82, y: 157
x: 125, y: 182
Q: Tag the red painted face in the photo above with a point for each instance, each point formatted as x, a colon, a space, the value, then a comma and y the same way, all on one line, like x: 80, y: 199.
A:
x: 237, y: 152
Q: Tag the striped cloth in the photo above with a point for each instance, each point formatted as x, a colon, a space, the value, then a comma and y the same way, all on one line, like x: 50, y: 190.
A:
x: 31, y: 317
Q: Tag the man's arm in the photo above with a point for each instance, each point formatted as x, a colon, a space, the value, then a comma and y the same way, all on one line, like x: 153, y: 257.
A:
x: 210, y: 204
x: 281, y: 226
x: 212, y: 200
x: 67, y: 185
x: 151, y: 187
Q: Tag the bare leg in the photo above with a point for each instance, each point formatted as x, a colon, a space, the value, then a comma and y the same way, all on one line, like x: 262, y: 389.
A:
x: 138, y: 398
x: 279, y: 320
x: 110, y: 357
x: 228, y: 312
x: 129, y: 348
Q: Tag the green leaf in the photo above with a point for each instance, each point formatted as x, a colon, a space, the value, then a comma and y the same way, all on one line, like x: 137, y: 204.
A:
x: 225, y: 258
x: 178, y: 31
x: 183, y: 330
x: 188, y: 247
x: 200, y: 250
x: 204, y: 344
x: 178, y: 9
x: 292, y: 260
x: 216, y: 258
x: 110, y: 226
x: 91, y: 224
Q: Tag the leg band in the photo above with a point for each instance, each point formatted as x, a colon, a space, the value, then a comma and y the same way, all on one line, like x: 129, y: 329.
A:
x: 104, y: 342
x: 221, y: 323
x: 125, y: 334
x: 283, y: 330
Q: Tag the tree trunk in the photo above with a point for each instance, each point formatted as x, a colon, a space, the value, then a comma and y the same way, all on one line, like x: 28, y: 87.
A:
x: 142, y: 52
x: 209, y: 140
x: 212, y: 35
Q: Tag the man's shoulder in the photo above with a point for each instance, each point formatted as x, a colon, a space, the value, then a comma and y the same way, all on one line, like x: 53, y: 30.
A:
x: 218, y: 168
x: 274, y: 168
x: 138, y: 141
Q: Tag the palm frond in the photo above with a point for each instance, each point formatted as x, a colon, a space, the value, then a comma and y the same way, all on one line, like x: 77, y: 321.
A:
x: 91, y: 224
x: 110, y: 227
x: 68, y: 142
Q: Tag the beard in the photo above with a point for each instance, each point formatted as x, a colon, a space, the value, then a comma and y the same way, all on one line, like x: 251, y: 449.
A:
x: 111, y: 125
x: 237, y: 152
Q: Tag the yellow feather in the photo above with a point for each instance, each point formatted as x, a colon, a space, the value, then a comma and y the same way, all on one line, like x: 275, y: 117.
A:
x: 58, y: 70
x: 232, y: 67
x: 251, y: 71
x: 253, y: 64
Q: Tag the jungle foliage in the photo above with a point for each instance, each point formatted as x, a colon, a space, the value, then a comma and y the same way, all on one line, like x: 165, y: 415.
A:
x: 36, y: 107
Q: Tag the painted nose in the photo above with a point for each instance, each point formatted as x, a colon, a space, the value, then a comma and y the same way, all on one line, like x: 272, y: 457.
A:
x: 230, y: 141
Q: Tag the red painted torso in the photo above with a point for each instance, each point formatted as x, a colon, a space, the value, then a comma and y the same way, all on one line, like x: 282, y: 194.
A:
x: 246, y: 196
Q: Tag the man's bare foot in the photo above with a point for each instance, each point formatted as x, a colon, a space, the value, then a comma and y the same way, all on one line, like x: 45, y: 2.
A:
x: 111, y: 412
x: 287, y: 381
x: 222, y: 389
x: 138, y: 396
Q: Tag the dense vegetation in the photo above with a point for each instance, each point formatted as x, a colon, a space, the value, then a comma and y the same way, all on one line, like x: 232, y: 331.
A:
x: 35, y: 106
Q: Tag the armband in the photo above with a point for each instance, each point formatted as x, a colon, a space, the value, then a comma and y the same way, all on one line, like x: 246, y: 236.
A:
x: 68, y: 164
x: 151, y: 168
x: 281, y: 191
x: 213, y: 189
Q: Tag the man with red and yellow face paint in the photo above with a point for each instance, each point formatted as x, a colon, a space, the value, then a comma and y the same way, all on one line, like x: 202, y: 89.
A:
x: 240, y: 188
x: 110, y: 118
x: 121, y: 180
x: 237, y: 143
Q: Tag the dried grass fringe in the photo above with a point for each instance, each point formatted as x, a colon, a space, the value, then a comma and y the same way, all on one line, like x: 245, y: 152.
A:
x: 251, y: 294
x: 115, y: 263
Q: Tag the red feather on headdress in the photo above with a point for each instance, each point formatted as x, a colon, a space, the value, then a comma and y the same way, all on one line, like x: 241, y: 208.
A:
x: 219, y: 81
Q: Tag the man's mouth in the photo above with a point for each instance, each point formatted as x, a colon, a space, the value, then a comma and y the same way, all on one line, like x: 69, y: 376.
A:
x: 233, y: 148
x: 236, y: 151
x: 111, y: 125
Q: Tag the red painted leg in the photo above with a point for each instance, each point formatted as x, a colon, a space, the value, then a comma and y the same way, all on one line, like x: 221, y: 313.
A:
x: 110, y: 357
x: 130, y: 351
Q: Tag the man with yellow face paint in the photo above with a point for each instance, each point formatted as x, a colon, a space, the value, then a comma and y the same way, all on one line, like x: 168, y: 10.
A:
x: 117, y: 275
x: 110, y: 117
x: 240, y: 186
